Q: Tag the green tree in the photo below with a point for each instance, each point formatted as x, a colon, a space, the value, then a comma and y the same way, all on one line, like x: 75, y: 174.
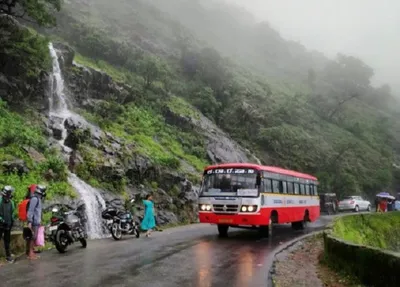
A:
x: 38, y: 11
x: 151, y: 68
x: 203, y: 99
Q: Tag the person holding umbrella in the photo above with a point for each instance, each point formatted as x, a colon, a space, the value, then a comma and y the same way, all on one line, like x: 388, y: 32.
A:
x: 384, y: 197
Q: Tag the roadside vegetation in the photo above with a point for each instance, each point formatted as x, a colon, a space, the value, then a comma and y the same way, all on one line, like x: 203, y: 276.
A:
x: 25, y: 158
x: 375, y: 230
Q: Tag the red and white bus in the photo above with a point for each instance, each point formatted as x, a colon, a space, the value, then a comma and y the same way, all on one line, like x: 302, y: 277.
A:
x: 256, y: 196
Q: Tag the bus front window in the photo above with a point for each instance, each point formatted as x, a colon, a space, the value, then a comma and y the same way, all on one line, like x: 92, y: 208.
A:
x: 229, y: 184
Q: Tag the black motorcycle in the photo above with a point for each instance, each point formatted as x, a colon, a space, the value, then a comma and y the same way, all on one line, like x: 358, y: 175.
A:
x: 122, y: 222
x: 65, y: 229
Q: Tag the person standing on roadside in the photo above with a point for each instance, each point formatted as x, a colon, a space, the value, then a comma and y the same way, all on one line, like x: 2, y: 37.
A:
x: 35, y: 218
x: 148, y: 222
x: 7, y: 208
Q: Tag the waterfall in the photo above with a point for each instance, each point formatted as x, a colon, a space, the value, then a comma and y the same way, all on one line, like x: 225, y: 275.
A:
x: 94, y: 203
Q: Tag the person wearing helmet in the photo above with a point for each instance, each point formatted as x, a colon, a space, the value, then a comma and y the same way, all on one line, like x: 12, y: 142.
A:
x: 35, y: 217
x: 6, y: 219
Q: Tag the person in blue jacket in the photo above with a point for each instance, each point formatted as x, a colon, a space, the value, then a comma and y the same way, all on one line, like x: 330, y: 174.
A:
x: 148, y: 222
x: 7, y: 208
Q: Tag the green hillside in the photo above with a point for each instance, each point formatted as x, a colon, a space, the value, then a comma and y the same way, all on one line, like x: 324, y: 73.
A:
x: 291, y: 107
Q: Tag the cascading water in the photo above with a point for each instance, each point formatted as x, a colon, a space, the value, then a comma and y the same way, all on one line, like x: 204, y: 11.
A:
x: 91, y: 197
x: 94, y: 203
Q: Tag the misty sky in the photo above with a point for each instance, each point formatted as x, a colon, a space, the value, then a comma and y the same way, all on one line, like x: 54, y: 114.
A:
x: 369, y: 29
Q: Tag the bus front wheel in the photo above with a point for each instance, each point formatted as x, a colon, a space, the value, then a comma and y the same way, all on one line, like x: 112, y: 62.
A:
x: 223, y: 230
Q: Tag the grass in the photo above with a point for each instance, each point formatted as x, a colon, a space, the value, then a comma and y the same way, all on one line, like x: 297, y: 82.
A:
x: 181, y: 107
x: 118, y: 74
x: 162, y: 143
x: 376, y: 230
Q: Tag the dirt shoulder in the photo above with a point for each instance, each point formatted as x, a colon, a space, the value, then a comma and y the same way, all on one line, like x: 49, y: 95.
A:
x: 303, y: 265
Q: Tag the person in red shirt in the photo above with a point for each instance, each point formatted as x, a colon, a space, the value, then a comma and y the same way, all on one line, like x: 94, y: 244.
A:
x: 383, y: 205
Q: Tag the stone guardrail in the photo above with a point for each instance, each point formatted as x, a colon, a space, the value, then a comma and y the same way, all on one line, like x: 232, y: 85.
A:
x: 372, y: 266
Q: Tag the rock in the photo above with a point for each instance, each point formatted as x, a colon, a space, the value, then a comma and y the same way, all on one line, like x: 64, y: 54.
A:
x: 166, y: 217
x: 139, y: 168
x: 66, y: 54
x: 108, y: 150
x: 220, y: 147
x: 15, y: 88
x: 16, y: 165
x: 34, y: 154
x: 70, y: 203
x: 55, y: 125
x: 116, y: 146
x: 168, y: 179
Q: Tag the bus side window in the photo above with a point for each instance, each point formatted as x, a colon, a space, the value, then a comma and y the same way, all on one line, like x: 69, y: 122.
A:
x: 275, y: 186
x: 308, y: 190
x: 311, y: 189
x: 296, y: 188
x: 315, y: 190
x: 283, y: 187
x: 302, y: 190
x: 290, y: 187
x: 267, y: 185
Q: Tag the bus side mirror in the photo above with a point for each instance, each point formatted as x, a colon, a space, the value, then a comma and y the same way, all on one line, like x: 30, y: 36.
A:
x: 258, y: 180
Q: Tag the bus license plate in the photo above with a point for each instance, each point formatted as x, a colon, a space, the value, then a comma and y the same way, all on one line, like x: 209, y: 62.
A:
x: 225, y: 220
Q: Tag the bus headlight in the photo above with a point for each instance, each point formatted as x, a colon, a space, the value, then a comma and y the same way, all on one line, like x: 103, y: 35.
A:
x: 205, y: 207
x: 248, y: 208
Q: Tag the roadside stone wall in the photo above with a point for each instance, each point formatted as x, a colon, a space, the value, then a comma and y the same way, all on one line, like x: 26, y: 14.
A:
x: 373, y: 266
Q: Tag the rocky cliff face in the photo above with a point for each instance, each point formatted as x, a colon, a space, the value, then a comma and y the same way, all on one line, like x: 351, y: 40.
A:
x: 175, y: 196
x: 17, y: 86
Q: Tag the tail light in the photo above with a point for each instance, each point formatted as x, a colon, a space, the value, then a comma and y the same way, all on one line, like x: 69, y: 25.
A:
x: 352, y: 202
x: 54, y: 219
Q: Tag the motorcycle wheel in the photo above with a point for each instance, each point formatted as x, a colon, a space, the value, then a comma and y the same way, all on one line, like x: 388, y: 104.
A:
x: 61, y: 241
x: 83, y: 242
x: 115, y: 231
x: 137, y: 232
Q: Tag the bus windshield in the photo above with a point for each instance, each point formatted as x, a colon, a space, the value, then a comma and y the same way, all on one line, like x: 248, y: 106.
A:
x: 240, y: 182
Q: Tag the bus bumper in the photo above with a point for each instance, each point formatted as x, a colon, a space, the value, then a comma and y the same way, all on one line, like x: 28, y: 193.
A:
x: 233, y: 219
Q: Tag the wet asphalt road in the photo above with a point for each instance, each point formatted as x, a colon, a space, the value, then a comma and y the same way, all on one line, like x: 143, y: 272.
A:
x: 183, y: 256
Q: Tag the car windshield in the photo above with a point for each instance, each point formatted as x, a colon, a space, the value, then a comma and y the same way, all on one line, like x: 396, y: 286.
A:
x: 241, y: 182
x: 348, y: 198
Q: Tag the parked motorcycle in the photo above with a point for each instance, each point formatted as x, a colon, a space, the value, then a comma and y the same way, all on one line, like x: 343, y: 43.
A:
x: 65, y: 229
x: 122, y: 222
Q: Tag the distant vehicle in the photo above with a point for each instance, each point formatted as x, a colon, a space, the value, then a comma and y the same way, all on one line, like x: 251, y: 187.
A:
x: 328, y: 203
x: 255, y: 196
x: 355, y: 203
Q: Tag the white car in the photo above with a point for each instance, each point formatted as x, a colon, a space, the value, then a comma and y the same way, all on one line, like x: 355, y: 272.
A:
x: 355, y: 203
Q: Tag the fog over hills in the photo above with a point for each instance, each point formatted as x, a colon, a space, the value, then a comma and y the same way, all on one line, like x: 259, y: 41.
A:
x: 367, y: 29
